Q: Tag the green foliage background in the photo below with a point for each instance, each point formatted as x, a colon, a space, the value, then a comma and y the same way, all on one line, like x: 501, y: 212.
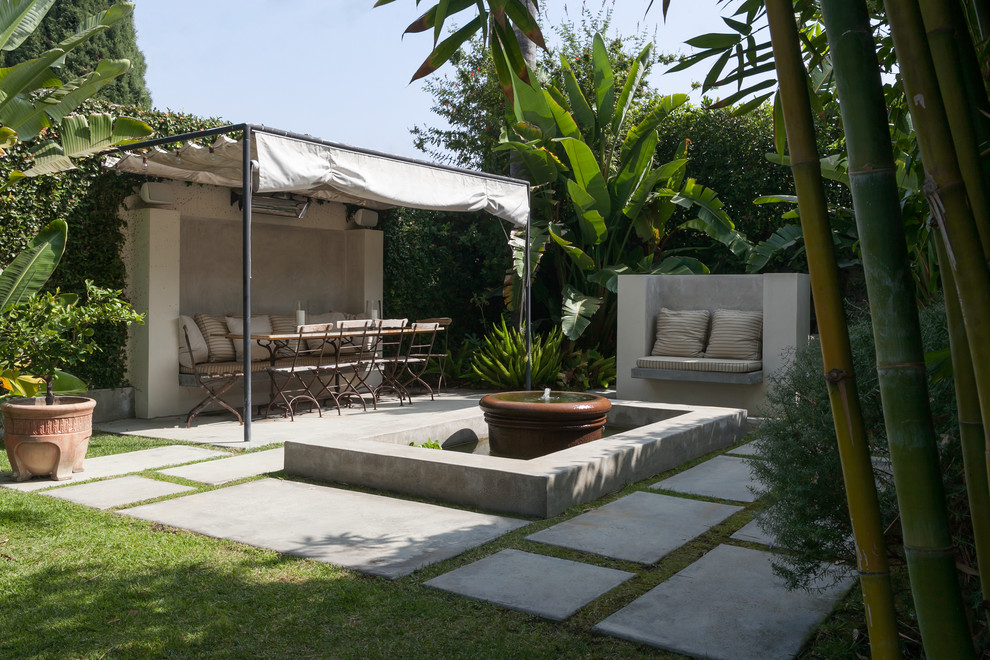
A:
x: 88, y: 199
x: 800, y: 470
x: 119, y: 42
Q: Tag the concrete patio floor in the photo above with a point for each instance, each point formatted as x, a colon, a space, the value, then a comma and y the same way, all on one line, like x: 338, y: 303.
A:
x: 223, y: 430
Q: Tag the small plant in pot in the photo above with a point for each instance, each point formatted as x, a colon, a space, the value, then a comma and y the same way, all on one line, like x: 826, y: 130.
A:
x: 41, y: 335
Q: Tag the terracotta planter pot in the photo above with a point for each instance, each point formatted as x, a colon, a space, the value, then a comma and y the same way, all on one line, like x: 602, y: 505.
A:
x: 47, y: 440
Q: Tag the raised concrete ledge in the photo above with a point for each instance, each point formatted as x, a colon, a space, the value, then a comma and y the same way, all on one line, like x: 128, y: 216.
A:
x: 745, y: 378
x: 666, y: 436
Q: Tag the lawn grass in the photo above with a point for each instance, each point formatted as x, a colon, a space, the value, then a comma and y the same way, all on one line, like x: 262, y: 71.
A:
x: 83, y: 583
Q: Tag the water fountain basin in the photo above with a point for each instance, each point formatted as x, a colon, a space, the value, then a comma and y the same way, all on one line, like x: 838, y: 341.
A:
x: 530, y: 424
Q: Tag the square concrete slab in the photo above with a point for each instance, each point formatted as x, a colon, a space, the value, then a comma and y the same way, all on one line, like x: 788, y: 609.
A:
x: 641, y: 527
x: 722, y: 477
x: 748, y: 449
x: 368, y: 533
x: 231, y: 469
x: 116, y: 492
x: 535, y: 584
x: 727, y: 605
x: 118, y: 464
x: 753, y: 533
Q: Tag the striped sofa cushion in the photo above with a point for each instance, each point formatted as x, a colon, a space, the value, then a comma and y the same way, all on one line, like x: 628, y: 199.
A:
x: 214, y: 329
x: 700, y: 364
x: 285, y: 324
x: 681, y: 333
x: 736, y: 335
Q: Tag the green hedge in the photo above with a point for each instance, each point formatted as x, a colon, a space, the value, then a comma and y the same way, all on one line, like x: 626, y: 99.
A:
x: 88, y: 199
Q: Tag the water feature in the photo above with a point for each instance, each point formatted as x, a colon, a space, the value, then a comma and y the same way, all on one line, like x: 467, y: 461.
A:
x: 529, y: 424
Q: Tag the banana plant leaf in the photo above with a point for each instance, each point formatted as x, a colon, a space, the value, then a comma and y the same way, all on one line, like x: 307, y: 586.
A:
x: 580, y: 258
x: 628, y: 93
x: 587, y: 173
x: 18, y: 20
x: 583, y: 113
x: 576, y: 312
x: 785, y: 237
x: 83, y: 136
x: 34, y: 265
x: 604, y: 80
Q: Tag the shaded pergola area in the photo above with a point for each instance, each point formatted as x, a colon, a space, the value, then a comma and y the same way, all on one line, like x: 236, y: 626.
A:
x: 271, y: 162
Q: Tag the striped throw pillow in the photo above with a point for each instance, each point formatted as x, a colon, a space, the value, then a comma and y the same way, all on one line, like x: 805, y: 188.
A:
x: 285, y: 324
x: 214, y: 328
x: 736, y: 335
x: 681, y: 333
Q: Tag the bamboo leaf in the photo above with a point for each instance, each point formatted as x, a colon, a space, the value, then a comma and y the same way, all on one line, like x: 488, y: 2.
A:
x: 714, y: 40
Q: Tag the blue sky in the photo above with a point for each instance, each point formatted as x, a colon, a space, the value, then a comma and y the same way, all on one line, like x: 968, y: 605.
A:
x: 338, y: 69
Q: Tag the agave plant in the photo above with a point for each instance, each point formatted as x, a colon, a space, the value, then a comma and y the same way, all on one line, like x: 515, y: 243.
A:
x: 501, y: 360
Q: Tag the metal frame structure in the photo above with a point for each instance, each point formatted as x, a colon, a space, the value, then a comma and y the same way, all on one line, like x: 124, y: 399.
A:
x: 246, y: 185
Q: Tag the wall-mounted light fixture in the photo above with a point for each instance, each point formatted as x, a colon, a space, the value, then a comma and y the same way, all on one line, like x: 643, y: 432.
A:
x: 283, y: 204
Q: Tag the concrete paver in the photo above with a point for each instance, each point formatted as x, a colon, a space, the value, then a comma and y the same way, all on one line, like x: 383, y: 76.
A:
x: 721, y: 477
x: 543, y: 586
x: 727, y: 605
x: 748, y: 449
x: 116, y: 492
x: 753, y: 533
x: 640, y: 527
x: 368, y: 533
x: 233, y: 468
x: 118, y: 464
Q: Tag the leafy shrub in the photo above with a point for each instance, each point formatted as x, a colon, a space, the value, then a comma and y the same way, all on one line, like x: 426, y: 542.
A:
x: 584, y: 369
x: 801, y: 474
x: 501, y: 360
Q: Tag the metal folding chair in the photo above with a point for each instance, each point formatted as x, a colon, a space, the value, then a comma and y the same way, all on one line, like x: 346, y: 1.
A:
x: 420, y: 350
x: 346, y: 376
x: 214, y: 380
x: 438, y: 356
x: 390, y: 362
x: 296, y: 378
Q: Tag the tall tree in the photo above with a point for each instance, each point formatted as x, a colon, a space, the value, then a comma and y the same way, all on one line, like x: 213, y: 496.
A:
x: 119, y: 42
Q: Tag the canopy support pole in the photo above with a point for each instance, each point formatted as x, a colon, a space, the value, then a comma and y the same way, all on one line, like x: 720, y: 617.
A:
x: 529, y: 300
x: 246, y: 182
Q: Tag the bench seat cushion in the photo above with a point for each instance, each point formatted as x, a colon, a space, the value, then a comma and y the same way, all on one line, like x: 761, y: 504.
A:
x: 699, y: 364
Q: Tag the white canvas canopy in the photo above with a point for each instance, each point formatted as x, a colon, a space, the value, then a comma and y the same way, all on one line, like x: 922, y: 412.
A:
x: 335, y: 173
x: 271, y: 161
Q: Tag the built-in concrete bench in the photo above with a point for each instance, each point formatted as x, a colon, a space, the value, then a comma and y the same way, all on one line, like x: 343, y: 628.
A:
x: 783, y: 299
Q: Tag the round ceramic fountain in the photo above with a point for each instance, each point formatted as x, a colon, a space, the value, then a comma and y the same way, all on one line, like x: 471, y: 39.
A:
x: 531, y: 424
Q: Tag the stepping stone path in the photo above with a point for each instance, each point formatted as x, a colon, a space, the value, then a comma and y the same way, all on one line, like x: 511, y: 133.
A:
x: 727, y: 605
x: 535, y: 584
x: 116, y: 492
x: 225, y: 470
x: 118, y: 464
x: 368, y: 533
x: 722, y: 477
x: 641, y: 527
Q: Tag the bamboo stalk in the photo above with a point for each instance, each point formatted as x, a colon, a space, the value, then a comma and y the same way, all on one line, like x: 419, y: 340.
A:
x: 970, y: 424
x: 931, y: 565
x: 947, y: 192
x: 857, y: 469
x: 962, y: 97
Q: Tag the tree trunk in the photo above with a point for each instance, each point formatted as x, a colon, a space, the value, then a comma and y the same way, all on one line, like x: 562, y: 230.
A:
x: 857, y: 469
